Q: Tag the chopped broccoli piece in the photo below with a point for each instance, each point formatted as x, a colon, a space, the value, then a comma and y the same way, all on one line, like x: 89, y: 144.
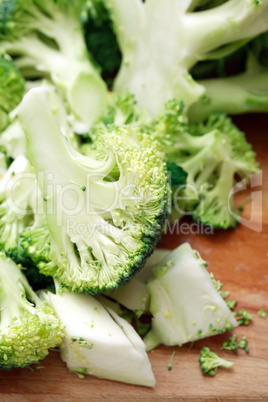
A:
x: 184, y: 302
x: 243, y: 317
x: 102, y: 236
x: 231, y: 304
x: 231, y: 343
x: 210, y: 362
x: 211, y: 154
x: 28, y: 326
x: 11, y: 88
x: 243, y: 344
x: 99, y: 342
x: 161, y: 41
x: 47, y: 39
x: 262, y: 313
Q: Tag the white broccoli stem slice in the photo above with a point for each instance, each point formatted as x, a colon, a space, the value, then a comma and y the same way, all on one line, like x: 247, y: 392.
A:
x: 135, y: 295
x: 184, y: 303
x: 100, y: 343
x: 167, y: 41
x: 242, y: 93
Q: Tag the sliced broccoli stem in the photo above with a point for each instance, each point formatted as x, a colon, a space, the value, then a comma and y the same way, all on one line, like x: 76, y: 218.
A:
x: 242, y: 93
x: 232, y: 21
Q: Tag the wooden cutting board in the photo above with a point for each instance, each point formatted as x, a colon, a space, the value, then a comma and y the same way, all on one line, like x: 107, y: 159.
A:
x: 239, y: 258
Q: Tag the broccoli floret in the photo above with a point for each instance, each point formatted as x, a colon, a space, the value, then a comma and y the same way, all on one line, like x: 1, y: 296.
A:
x: 211, y: 154
x: 28, y: 326
x: 262, y: 313
x: 210, y: 362
x: 161, y: 41
x: 105, y: 212
x: 47, y: 40
x: 96, y: 338
x: 11, y: 88
x: 184, y: 303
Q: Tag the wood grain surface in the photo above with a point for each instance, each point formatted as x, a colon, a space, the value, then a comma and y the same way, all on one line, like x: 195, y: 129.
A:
x: 239, y: 258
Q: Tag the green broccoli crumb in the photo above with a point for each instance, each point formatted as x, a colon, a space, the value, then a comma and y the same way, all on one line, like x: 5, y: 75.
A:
x: 262, y: 313
x: 170, y: 364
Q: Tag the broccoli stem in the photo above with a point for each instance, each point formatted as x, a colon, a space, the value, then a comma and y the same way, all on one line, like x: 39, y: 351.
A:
x: 167, y: 40
x: 233, y: 21
x: 248, y: 94
x: 14, y: 302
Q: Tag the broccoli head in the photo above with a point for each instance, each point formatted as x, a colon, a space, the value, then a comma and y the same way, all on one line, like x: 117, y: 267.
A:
x: 28, y: 326
x: 11, y: 88
x: 104, y: 212
x: 47, y: 40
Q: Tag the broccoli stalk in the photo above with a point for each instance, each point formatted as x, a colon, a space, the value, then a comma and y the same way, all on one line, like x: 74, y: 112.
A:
x: 28, y: 326
x: 11, y: 89
x: 105, y: 212
x: 98, y: 342
x: 242, y: 93
x: 161, y: 41
x: 210, y: 362
x: 47, y: 39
